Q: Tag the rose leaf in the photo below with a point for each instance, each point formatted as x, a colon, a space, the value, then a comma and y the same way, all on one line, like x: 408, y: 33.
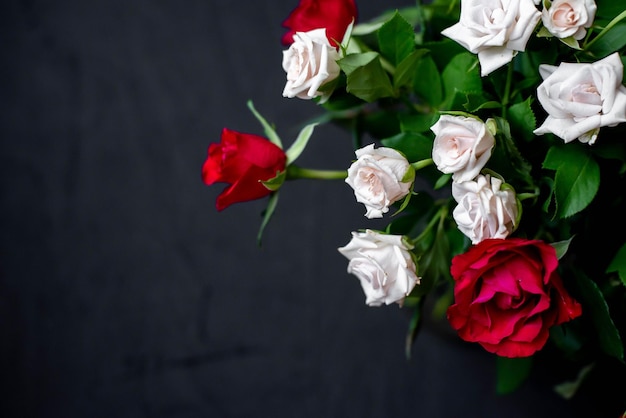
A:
x: 618, y: 264
x: 461, y: 74
x: 267, y: 215
x: 396, y: 39
x: 596, y: 307
x: 511, y: 373
x: 413, y: 145
x: 576, y: 181
x: 408, y: 69
x: 366, y: 78
x: 427, y: 83
x: 522, y: 120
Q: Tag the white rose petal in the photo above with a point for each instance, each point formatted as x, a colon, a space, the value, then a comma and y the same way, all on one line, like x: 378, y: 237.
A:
x: 484, y: 209
x: 309, y: 63
x: 581, y: 98
x: 384, y: 266
x: 378, y: 178
x: 494, y: 29
x: 462, y: 146
x: 565, y: 18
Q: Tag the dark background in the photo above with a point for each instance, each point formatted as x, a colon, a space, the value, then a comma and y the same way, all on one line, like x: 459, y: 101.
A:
x: 124, y: 293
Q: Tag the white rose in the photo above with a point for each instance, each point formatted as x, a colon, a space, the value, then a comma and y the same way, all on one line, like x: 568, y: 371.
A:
x: 462, y: 146
x: 485, y: 209
x: 565, y: 18
x: 581, y: 98
x: 379, y: 178
x: 383, y: 264
x: 309, y: 62
x: 494, y: 29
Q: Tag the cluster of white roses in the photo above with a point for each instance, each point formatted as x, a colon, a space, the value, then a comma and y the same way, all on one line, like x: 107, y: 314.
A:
x: 486, y: 207
x: 496, y: 30
x: 383, y: 263
x: 579, y: 98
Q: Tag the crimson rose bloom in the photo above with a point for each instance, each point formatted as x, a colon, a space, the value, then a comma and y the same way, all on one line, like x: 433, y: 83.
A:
x: 507, y: 296
x: 243, y: 160
x: 334, y: 15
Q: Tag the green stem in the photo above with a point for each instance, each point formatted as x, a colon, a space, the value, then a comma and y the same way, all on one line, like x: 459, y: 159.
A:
x: 507, y: 89
x: 528, y: 195
x: 422, y: 163
x: 437, y: 219
x: 608, y: 27
x: 295, y: 172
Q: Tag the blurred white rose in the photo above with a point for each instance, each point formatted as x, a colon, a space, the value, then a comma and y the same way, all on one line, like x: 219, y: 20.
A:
x: 494, y: 29
x: 565, y: 18
x: 462, y: 146
x: 485, y: 209
x: 379, y: 178
x: 582, y: 97
x: 384, y: 266
x: 309, y: 62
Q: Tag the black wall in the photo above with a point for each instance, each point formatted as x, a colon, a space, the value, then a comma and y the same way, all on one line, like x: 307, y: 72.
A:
x: 123, y: 293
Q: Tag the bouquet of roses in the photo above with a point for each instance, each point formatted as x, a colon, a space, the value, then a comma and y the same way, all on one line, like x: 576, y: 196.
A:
x: 490, y: 134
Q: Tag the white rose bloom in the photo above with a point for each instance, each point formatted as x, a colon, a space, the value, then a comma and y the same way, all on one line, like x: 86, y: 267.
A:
x: 484, y: 210
x: 494, y: 29
x: 462, y: 146
x: 379, y: 178
x: 384, y: 266
x: 309, y: 62
x: 582, y: 97
x: 565, y: 18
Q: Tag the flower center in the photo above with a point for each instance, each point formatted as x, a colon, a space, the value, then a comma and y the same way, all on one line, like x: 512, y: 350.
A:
x: 565, y: 16
x: 586, y: 93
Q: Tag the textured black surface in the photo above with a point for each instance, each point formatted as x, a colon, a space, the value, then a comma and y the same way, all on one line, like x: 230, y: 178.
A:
x: 123, y: 293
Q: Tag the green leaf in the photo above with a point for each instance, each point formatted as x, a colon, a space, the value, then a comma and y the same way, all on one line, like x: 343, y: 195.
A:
x: 267, y: 215
x: 611, y: 41
x: 274, y: 183
x: 420, y: 122
x: 435, y: 261
x: 595, y: 306
x: 367, y: 79
x: 413, y: 145
x: 461, y: 74
x: 571, y: 42
x: 618, y: 264
x: 506, y: 158
x: 442, y: 50
x: 407, y: 69
x: 352, y: 62
x: 396, y: 39
x: 413, y: 217
x: 267, y: 128
x: 427, y: 83
x: 577, y: 178
x: 568, y: 389
x: 566, y: 338
x: 608, y: 9
x: 511, y: 373
x: 561, y: 247
x: 300, y: 143
x: 414, y: 326
x: 522, y: 119
x: 475, y: 101
x: 442, y: 181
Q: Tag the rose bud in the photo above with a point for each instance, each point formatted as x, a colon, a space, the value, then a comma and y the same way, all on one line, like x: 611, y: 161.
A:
x: 243, y: 161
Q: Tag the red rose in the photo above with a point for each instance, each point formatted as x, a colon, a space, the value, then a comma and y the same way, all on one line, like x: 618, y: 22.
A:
x: 507, y: 296
x: 243, y: 160
x: 334, y: 15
